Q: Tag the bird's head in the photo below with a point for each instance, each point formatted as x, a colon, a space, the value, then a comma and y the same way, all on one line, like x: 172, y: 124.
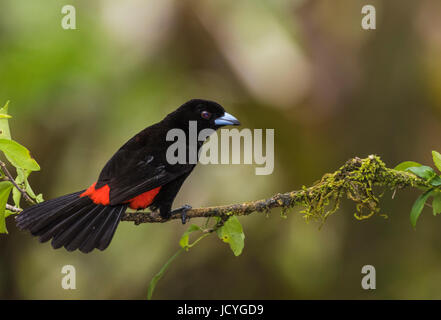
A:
x: 207, y: 114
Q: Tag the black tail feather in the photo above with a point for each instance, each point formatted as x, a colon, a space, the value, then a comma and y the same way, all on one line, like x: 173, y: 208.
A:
x: 56, y: 215
x: 97, y: 234
x: 110, y: 228
x: 73, y: 222
x: 89, y: 241
x: 65, y: 220
x: 71, y: 231
x: 89, y: 229
x: 34, y: 213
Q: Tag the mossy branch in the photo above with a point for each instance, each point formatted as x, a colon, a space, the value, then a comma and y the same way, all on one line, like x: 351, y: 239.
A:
x: 355, y: 180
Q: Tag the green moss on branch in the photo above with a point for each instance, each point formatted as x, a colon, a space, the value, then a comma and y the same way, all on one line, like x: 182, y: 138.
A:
x: 355, y: 180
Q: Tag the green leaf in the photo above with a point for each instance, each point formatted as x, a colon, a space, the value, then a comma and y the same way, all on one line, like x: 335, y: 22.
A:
x: 5, y: 190
x: 18, y: 155
x: 39, y: 198
x: 418, y: 207
x: 406, y: 164
x: 437, y: 159
x: 9, y: 213
x: 159, y: 275
x: 22, y: 180
x: 29, y: 190
x: 5, y: 133
x: 16, y: 197
x: 231, y: 232
x: 21, y: 177
x: 186, y: 236
x: 424, y: 172
x: 436, y: 204
x: 436, y: 181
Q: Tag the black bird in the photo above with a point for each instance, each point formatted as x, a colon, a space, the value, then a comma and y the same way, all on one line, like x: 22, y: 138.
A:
x: 137, y: 176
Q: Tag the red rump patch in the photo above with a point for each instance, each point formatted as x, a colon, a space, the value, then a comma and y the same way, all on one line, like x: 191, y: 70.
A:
x: 144, y: 200
x: 100, y: 196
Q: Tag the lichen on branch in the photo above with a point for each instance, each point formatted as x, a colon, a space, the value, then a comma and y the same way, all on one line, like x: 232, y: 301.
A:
x: 357, y: 180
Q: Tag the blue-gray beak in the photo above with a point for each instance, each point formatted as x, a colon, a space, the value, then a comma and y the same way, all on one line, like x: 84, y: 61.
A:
x: 226, y: 120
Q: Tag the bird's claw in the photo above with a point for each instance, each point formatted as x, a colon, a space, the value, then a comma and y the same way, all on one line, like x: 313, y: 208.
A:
x: 184, y: 210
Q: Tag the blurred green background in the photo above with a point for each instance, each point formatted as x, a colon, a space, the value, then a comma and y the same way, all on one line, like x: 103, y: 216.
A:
x: 329, y: 88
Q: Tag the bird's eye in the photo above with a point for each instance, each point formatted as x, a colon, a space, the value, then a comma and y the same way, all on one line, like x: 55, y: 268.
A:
x: 206, y: 115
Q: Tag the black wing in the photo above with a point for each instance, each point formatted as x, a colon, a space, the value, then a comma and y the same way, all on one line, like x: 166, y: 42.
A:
x: 139, y: 166
x: 128, y: 187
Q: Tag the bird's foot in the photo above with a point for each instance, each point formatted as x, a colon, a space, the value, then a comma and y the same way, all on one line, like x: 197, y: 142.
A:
x: 183, y: 211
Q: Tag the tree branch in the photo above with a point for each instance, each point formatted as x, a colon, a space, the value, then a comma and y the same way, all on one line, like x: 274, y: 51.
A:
x: 355, y: 180
x: 10, y: 178
x: 12, y: 208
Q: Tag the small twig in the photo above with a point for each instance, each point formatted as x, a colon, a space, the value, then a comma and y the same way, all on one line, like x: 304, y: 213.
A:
x: 12, y: 180
x: 12, y: 208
